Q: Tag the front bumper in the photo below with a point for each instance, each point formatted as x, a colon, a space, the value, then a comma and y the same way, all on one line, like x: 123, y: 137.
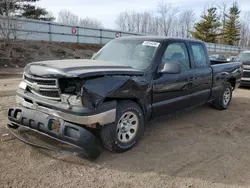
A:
x: 245, y: 80
x: 105, y: 114
x: 55, y: 128
x: 59, y: 121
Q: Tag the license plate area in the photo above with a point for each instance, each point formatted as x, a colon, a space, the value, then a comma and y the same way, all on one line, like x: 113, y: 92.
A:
x: 54, y: 126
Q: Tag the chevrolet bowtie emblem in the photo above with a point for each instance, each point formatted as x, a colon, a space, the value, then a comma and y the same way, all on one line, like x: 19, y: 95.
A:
x: 35, y: 86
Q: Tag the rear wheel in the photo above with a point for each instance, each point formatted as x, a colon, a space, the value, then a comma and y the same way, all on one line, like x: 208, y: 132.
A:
x: 126, y: 131
x: 224, y: 100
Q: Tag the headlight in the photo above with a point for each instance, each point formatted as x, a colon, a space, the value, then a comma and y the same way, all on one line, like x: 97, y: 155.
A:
x: 22, y: 85
x: 72, y: 99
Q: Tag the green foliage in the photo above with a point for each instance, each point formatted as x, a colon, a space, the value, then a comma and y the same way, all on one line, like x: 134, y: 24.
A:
x: 232, y: 28
x: 207, y: 29
x: 37, y: 13
x: 24, y: 8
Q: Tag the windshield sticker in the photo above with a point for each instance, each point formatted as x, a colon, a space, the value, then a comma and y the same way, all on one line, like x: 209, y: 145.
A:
x: 151, y: 43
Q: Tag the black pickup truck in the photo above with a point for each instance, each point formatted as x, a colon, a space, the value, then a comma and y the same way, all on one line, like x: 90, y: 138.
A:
x: 129, y: 82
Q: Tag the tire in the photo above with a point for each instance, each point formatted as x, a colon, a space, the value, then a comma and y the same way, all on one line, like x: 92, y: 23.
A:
x: 224, y: 99
x: 131, y: 127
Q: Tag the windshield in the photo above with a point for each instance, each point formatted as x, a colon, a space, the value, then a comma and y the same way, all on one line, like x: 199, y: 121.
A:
x: 135, y: 53
x: 243, y: 57
x: 214, y: 56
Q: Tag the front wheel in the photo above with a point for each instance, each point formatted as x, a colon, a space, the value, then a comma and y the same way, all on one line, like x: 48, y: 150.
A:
x: 224, y: 100
x: 126, y: 131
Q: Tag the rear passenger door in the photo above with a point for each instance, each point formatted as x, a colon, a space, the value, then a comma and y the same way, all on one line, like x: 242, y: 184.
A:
x: 202, y: 81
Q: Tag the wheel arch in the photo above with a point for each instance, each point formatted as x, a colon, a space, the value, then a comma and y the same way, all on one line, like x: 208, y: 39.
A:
x: 232, y: 81
x: 143, y: 106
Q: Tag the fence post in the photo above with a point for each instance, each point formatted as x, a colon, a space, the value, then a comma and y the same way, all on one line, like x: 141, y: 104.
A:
x: 215, y: 47
x: 77, y: 34
x: 100, y: 36
x: 50, y: 37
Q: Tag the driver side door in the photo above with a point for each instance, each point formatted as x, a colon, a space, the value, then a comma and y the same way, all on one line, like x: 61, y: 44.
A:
x: 171, y: 92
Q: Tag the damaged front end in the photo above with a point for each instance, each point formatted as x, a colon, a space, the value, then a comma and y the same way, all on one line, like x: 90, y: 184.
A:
x: 67, y: 107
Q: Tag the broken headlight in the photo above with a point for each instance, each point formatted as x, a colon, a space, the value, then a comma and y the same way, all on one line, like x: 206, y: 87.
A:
x: 72, y: 100
x: 71, y: 89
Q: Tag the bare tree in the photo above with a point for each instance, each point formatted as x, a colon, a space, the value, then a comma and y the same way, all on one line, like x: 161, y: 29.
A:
x: 121, y: 22
x: 245, y: 31
x: 167, y: 15
x: 67, y: 17
x: 90, y: 22
x: 186, y: 22
x: 223, y: 11
x: 8, y: 27
x: 144, y: 22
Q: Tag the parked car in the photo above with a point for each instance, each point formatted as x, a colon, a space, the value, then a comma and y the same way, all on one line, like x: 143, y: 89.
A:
x: 244, y: 57
x: 218, y: 58
x: 129, y: 82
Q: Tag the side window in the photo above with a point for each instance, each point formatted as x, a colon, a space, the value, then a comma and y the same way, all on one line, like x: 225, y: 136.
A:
x: 199, y: 55
x: 177, y: 53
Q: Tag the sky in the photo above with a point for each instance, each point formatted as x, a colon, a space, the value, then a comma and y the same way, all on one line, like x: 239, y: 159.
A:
x: 107, y: 10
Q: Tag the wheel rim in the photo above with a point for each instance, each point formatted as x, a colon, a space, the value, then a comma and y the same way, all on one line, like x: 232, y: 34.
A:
x: 127, y: 127
x: 226, y: 96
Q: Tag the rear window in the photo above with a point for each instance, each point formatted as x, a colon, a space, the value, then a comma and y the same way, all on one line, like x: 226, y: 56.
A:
x: 199, y: 55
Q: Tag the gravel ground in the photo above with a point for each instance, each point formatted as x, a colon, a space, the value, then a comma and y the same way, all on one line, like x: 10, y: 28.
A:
x: 199, y: 148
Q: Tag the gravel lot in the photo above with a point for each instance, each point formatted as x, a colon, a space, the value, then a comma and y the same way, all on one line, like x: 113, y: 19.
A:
x: 202, y: 147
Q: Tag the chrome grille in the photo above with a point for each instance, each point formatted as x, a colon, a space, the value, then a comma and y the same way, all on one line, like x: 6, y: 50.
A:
x: 41, y: 82
x: 43, y: 87
x: 246, y: 74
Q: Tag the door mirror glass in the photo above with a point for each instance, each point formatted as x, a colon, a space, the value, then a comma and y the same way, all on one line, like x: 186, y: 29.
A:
x: 170, y: 68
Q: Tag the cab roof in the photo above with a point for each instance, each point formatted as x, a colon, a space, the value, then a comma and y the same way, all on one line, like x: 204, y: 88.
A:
x: 155, y: 38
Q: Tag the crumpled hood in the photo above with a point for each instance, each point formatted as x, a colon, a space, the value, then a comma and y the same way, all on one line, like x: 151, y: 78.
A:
x: 79, y: 68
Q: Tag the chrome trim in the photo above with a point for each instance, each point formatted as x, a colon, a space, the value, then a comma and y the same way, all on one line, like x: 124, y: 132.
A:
x: 246, y: 67
x: 56, y: 86
x: 101, y: 118
x: 43, y: 96
x: 245, y: 79
x: 43, y: 87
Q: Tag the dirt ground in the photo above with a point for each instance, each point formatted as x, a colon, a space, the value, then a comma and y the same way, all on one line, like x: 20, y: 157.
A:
x: 197, y: 148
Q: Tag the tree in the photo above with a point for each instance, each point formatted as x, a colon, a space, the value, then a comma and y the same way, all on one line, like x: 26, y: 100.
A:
x: 232, y: 29
x: 90, y: 22
x: 207, y: 28
x: 223, y: 12
x: 245, y: 31
x: 32, y: 12
x: 67, y: 17
x: 186, y: 22
x: 167, y: 15
x: 25, y: 8
x: 8, y: 28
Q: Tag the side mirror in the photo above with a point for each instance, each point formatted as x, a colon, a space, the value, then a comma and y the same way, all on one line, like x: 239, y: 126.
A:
x: 170, y: 68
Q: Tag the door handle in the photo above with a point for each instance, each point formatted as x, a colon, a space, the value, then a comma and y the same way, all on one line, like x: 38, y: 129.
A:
x: 191, y: 78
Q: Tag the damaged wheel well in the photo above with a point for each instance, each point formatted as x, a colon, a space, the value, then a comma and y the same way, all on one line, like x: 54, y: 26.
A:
x: 137, y: 101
